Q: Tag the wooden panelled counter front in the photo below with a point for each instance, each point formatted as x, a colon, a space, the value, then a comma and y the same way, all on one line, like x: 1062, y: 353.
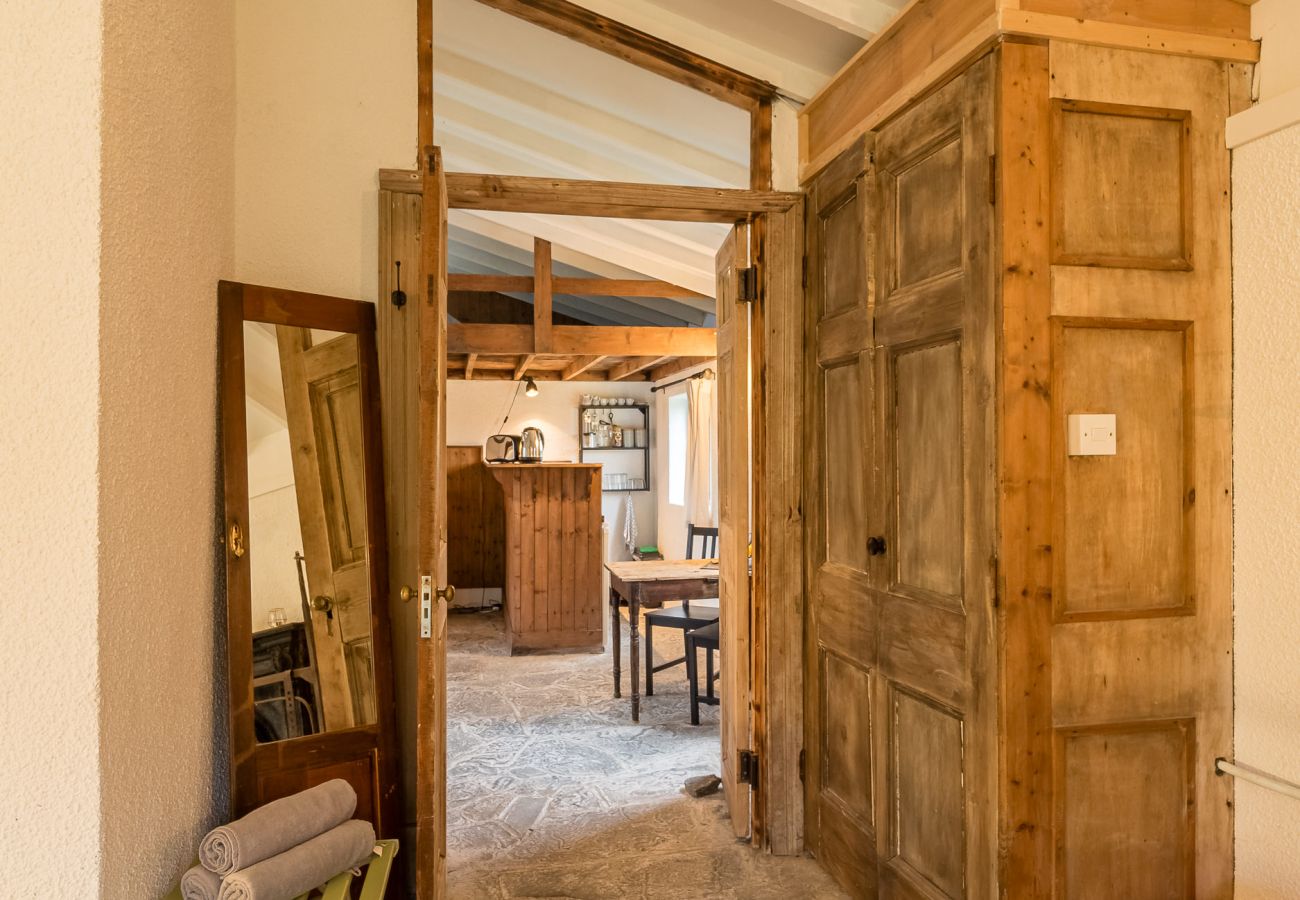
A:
x: 553, y: 556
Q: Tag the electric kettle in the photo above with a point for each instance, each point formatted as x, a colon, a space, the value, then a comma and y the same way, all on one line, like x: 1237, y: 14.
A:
x: 531, y: 444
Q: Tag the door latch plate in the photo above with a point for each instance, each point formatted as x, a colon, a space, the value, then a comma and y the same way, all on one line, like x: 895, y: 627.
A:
x: 426, y: 606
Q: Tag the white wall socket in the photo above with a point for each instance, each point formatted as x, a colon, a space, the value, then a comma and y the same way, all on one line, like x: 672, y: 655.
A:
x: 1092, y: 435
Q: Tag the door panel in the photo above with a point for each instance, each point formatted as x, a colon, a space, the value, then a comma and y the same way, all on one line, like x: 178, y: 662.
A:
x: 323, y: 410
x: 934, y: 580
x: 733, y: 524
x: 900, y: 609
x: 841, y: 618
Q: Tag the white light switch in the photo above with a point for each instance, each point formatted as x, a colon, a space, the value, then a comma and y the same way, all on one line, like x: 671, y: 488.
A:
x: 1092, y: 435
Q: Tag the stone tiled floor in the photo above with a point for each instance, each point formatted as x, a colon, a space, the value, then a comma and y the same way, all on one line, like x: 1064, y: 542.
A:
x: 553, y: 792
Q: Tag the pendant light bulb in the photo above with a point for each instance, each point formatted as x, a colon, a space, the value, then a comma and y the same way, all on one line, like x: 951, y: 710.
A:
x: 530, y: 386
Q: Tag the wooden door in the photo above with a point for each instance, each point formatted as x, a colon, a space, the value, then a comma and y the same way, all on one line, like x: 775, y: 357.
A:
x: 431, y: 681
x: 842, y: 613
x: 733, y: 537
x: 323, y: 411
x: 934, y: 499
x: 901, y: 658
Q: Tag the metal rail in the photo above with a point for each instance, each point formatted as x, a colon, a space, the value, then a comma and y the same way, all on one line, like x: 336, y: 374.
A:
x: 1255, y: 776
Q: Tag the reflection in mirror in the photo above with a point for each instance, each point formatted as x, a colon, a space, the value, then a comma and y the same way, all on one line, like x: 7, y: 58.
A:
x: 307, y: 548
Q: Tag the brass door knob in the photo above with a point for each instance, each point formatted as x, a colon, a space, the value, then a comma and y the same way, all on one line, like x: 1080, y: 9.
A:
x: 448, y: 593
x: 405, y: 594
x: 321, y: 603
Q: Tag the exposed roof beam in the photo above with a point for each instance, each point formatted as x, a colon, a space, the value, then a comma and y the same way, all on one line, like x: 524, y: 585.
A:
x: 524, y: 362
x: 862, y: 18
x: 610, y: 199
x: 635, y: 366
x: 580, y: 365
x: 543, y: 288
x: 641, y: 49
x: 578, y: 340
x: 795, y: 80
x: 469, y: 365
x: 583, y: 287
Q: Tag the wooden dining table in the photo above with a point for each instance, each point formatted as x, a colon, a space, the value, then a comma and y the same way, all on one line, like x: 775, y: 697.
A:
x: 651, y: 583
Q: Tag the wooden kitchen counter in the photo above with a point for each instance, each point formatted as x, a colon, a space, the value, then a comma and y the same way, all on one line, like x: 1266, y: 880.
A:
x: 553, y: 556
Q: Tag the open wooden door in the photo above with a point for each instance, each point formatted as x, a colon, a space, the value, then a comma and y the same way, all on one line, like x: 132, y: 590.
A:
x: 733, y: 538
x: 323, y: 412
x: 434, y: 594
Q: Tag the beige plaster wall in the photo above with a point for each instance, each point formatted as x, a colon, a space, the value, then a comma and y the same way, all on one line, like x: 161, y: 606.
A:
x: 326, y: 96
x: 167, y: 213
x: 1266, y: 223
x: 1277, y: 24
x: 49, y: 375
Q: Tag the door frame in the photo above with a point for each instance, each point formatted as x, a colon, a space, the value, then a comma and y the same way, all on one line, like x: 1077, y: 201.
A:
x: 776, y: 220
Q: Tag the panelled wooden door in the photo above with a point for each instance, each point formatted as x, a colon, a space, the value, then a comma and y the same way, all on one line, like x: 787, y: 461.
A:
x: 841, y: 613
x: 901, y: 655
x: 431, y: 680
x: 323, y: 411
x: 733, y: 524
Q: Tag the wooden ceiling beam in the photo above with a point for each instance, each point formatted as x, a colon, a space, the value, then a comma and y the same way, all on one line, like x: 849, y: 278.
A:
x: 635, y: 366
x: 524, y: 362
x: 623, y: 287
x: 579, y: 366
x: 611, y: 199
x: 470, y: 360
x: 491, y: 284
x: 577, y: 287
x: 542, y: 296
x: 580, y: 340
x: 640, y: 49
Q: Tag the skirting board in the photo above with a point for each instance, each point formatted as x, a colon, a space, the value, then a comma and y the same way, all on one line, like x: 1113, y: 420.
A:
x: 1264, y: 119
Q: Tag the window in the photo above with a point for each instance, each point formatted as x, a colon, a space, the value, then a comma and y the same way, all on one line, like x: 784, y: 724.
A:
x: 679, y: 418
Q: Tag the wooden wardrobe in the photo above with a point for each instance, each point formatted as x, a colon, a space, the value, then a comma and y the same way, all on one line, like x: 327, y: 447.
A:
x: 1018, y: 661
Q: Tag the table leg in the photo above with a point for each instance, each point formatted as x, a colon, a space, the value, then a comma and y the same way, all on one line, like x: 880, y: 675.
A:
x: 634, y: 653
x: 616, y: 638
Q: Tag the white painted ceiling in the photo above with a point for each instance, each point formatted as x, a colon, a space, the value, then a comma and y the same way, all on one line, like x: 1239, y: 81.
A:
x: 515, y: 99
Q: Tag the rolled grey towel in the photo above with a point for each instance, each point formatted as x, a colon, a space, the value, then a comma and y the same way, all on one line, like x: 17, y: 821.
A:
x: 200, y: 884
x: 277, y: 826
x: 296, y: 871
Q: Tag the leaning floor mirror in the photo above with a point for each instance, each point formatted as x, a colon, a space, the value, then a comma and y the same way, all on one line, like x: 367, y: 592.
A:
x: 309, y: 644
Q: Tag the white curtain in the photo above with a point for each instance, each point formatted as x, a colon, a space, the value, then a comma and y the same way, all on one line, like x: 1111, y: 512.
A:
x: 702, y: 452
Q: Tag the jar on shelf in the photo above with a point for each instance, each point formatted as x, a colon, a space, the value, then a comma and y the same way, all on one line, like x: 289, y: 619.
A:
x: 616, y: 435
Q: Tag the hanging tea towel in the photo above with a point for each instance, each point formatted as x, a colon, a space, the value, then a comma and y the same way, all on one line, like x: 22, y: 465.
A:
x: 629, y: 526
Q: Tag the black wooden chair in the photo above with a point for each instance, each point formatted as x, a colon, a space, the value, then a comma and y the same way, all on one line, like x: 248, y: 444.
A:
x: 708, y: 540
x: 706, y: 638
x: 687, y: 616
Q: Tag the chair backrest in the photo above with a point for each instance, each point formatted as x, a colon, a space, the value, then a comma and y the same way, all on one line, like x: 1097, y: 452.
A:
x: 708, y: 538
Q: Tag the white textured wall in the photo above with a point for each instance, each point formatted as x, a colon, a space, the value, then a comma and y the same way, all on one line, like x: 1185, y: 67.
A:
x: 49, y: 376
x: 117, y: 155
x: 273, y: 518
x: 475, y: 410
x: 168, y: 191
x: 326, y: 97
x: 1266, y: 223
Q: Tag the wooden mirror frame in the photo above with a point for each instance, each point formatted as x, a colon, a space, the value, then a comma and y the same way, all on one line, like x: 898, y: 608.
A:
x: 260, y: 773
